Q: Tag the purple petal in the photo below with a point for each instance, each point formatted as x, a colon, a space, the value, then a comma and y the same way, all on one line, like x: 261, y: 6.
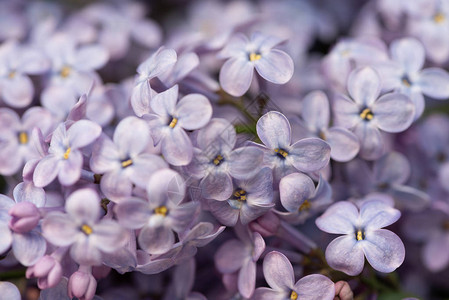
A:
x: 344, y: 144
x: 269, y: 294
x: 231, y: 256
x: 84, y: 205
x: 105, y: 155
x: 219, y: 134
x: 133, y: 213
x: 91, y: 57
x: 345, y: 254
x: 376, y: 214
x: 28, y: 247
x: 275, y: 66
x: 278, y: 271
x: 144, y: 166
x: 176, y: 147
x: 393, y: 112
x: 108, y: 236
x: 9, y: 291
x: 294, y: 189
x: 46, y: 171
x: 315, y: 110
x: 236, y: 75
x: 156, y: 240
x: 315, y: 287
x: 245, y: 162
x: 166, y: 185
x: 364, y: 85
x: 274, y: 130
x: 193, y: 111
x: 85, y: 253
x: 384, y: 250
x: 82, y: 133
x: 340, y: 218
x: 435, y: 259
x: 434, y: 82
x: 217, y: 186
x: 135, y: 143
x: 371, y: 142
x: 346, y: 111
x: 6, y: 240
x: 247, y: 279
x: 158, y: 63
x: 70, y: 169
x: 18, y: 91
x: 409, y: 53
x: 141, y: 97
x: 224, y: 213
x: 59, y: 230
x: 26, y: 191
x: 309, y: 155
x: 164, y: 104
x: 393, y: 168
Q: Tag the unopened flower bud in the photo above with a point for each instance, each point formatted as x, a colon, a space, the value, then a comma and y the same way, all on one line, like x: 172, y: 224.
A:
x: 48, y: 271
x: 82, y: 285
x: 25, y: 217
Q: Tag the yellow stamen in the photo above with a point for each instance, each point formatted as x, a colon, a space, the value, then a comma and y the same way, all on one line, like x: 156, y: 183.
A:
x: 406, y: 82
x: 240, y: 195
x: 322, y: 135
x: 366, y: 114
x: 293, y: 295
x: 439, y: 18
x: 254, y: 56
x: 12, y: 74
x: 23, y: 137
x: 67, y: 153
x: 161, y: 210
x: 86, y: 229
x: 127, y: 163
x: 173, y: 123
x: 65, y: 71
x: 281, y: 152
x: 305, y: 205
x: 359, y: 235
x: 218, y: 159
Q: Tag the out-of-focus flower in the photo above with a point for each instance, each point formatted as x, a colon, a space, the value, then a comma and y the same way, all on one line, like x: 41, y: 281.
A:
x: 245, y: 55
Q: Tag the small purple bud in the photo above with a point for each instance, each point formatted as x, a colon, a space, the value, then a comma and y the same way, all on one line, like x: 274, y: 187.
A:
x: 25, y: 217
x: 82, y: 285
x: 267, y: 225
x: 48, y: 271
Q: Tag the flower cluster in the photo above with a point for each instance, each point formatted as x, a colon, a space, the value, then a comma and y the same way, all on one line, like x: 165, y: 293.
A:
x: 212, y: 157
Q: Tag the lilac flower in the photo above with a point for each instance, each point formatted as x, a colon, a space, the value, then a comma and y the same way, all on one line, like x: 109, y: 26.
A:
x: 215, y: 163
x: 278, y: 272
x: 9, y: 291
x: 162, y: 214
x: 315, y: 114
x: 363, y: 237
x: 82, y: 286
x: 72, y: 66
x: 16, y: 147
x: 300, y: 197
x: 170, y: 120
x: 124, y: 161
x: 182, y: 284
x: 306, y: 155
x: 158, y: 63
x: 365, y: 113
x: 245, y: 55
x: 241, y: 255
x: 404, y: 74
x: 16, y: 63
x: 18, y: 221
x: 48, y: 270
x: 81, y: 229
x: 64, y: 159
x: 251, y: 199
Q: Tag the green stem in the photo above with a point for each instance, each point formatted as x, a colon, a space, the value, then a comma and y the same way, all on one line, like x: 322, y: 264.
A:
x: 12, y: 274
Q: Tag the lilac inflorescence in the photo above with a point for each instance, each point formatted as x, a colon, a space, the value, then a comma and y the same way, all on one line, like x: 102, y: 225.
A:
x: 211, y: 153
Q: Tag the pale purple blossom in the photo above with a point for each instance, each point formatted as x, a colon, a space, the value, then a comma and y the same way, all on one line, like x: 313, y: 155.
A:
x: 363, y: 237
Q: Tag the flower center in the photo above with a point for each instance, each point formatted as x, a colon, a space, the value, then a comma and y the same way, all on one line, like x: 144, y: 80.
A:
x: 253, y: 56
x: 360, y: 235
x: 173, y: 123
x: 161, y: 210
x: 65, y: 71
x: 12, y: 74
x: 126, y: 163
x: 86, y: 229
x: 406, y: 81
x: 439, y: 18
x: 281, y: 153
x: 305, y: 205
x: 240, y: 195
x: 218, y: 160
x: 23, y: 137
x: 293, y: 295
x: 366, y: 114
x: 67, y: 153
